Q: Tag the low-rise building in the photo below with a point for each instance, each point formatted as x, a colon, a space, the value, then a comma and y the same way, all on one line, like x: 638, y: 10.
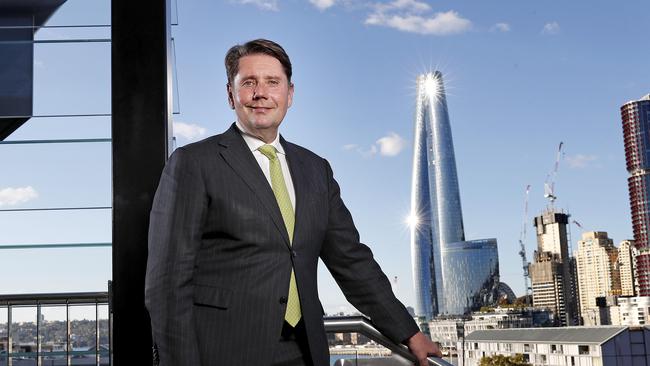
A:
x: 633, y: 311
x: 568, y: 346
x: 445, y: 331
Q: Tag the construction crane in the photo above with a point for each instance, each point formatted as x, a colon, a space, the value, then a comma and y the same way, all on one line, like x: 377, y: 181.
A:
x: 578, y: 225
x: 522, y: 250
x: 549, y: 185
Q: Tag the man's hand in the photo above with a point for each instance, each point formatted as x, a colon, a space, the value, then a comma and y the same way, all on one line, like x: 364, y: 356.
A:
x: 422, y: 347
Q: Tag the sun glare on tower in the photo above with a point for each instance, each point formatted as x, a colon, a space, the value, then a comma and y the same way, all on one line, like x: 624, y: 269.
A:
x: 432, y: 85
x: 412, y: 220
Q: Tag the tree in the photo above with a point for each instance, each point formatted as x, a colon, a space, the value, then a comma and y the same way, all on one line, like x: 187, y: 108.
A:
x: 501, y: 360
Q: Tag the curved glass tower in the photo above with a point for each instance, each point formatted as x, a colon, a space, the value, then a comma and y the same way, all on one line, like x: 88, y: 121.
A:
x: 471, y: 271
x: 451, y: 276
x: 436, y: 213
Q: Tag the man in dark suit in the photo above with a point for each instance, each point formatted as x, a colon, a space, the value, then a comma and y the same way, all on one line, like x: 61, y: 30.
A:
x: 238, y: 224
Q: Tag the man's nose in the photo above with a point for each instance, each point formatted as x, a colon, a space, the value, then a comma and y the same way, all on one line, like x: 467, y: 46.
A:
x: 260, y: 91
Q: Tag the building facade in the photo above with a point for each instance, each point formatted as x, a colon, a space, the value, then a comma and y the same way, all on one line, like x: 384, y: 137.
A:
x: 451, y: 276
x: 471, y: 270
x: 627, y: 268
x: 635, y: 116
x: 572, y: 346
x: 633, y: 311
x: 445, y: 331
x: 598, y: 271
x: 552, y: 269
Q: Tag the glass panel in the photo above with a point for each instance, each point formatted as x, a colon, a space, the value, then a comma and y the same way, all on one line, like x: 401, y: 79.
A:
x: 4, y: 337
x: 23, y: 331
x: 68, y: 270
x: 83, y: 327
x: 104, y: 340
x: 24, y: 361
x: 82, y: 172
x: 174, y: 12
x: 72, y: 34
x: 39, y: 128
x: 346, y: 348
x: 82, y: 12
x: 53, y: 331
x: 176, y: 109
x: 83, y: 68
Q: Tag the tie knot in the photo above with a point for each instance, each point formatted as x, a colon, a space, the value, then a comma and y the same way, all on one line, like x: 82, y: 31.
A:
x: 268, y: 151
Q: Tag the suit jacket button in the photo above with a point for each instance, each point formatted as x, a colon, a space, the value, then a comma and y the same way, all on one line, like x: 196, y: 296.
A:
x: 283, y: 300
x: 294, y: 254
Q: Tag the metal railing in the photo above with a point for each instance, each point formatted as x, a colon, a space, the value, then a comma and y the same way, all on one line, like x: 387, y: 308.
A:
x: 363, y: 325
x: 33, y: 353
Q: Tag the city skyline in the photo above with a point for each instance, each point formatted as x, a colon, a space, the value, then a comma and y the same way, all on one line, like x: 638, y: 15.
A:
x: 521, y: 78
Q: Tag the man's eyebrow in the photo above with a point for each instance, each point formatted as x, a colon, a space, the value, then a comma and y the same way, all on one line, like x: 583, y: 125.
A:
x: 266, y: 77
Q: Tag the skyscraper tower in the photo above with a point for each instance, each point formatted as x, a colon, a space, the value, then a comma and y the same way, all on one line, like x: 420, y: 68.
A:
x: 636, y: 128
x: 435, y: 197
x: 552, y: 269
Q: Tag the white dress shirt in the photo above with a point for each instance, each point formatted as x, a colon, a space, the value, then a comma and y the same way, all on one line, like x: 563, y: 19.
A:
x: 254, y: 143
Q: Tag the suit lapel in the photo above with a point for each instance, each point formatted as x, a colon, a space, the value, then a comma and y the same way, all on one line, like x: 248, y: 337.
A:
x: 238, y: 156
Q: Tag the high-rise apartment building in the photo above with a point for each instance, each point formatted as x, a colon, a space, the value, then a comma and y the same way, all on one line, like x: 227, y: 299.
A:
x: 627, y: 268
x: 636, y: 129
x: 598, y: 271
x: 446, y: 268
x: 552, y: 269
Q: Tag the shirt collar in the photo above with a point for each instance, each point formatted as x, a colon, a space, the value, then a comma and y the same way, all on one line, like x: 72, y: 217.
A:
x: 254, y: 143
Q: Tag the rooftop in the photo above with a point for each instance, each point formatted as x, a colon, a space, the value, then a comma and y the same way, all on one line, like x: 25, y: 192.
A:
x: 566, y: 335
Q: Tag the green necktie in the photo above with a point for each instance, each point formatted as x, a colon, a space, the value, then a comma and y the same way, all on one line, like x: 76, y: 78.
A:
x: 293, y: 314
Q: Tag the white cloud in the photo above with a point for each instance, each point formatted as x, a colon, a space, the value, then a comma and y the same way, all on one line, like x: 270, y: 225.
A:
x: 551, y: 28
x: 188, y: 131
x: 372, y: 151
x: 500, y: 27
x: 391, y: 145
x: 322, y: 4
x: 412, y: 6
x: 580, y: 161
x: 13, y: 196
x: 407, y: 16
x: 270, y: 5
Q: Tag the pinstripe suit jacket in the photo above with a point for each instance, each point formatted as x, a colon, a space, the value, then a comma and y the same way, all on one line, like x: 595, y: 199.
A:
x: 220, y: 258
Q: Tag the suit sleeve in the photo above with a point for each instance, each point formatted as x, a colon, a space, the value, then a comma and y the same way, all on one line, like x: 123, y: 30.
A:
x: 174, y: 239
x: 357, y: 273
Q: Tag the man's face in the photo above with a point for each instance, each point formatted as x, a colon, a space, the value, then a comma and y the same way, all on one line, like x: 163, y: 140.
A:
x: 260, y: 94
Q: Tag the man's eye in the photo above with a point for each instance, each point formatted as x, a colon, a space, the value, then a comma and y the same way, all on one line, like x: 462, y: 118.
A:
x: 248, y: 83
x: 274, y: 82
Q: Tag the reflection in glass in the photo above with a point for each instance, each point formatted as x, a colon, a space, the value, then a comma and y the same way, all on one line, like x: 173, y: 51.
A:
x: 473, y: 275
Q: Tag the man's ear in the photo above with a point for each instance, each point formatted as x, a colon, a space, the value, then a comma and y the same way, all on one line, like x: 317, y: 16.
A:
x: 231, y: 99
x: 290, y: 97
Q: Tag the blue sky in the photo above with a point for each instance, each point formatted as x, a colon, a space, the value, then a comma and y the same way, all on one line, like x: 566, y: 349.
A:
x: 520, y: 76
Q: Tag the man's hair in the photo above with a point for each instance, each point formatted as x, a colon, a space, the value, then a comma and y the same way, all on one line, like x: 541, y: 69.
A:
x: 257, y: 46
